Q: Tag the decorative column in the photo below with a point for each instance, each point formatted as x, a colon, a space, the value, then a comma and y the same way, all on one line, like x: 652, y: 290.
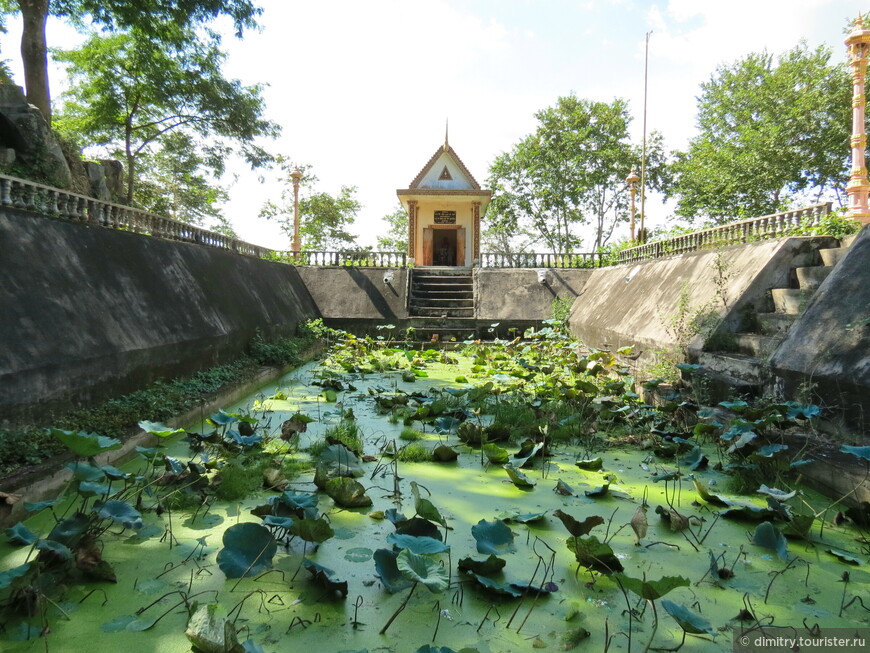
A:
x: 631, y: 181
x: 412, y: 229
x: 296, y: 175
x: 858, y: 188
x: 475, y: 221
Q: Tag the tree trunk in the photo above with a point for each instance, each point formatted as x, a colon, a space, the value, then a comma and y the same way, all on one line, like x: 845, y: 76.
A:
x: 34, y: 54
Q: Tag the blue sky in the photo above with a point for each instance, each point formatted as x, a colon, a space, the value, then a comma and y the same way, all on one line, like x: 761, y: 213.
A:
x: 363, y: 89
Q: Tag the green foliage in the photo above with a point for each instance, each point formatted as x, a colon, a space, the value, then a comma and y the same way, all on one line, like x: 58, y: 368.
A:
x: 561, y: 312
x: 767, y: 132
x: 396, y: 237
x: 239, y: 478
x: 414, y: 453
x: 410, y: 435
x: 278, y: 353
x: 347, y: 432
x: 128, y: 93
x: 569, y: 172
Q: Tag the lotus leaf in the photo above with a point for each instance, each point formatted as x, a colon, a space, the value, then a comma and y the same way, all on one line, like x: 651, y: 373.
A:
x: 56, y: 548
x: 119, y: 512
x: 779, y: 495
x: 445, y: 454
x: 425, y: 508
x: 85, y: 472
x: 85, y: 445
x: 523, y: 518
x: 39, y: 505
x: 709, y: 497
x: 248, y: 550
x: 422, y: 569
x: 347, y: 492
x: 211, y: 631
x: 495, y: 454
x: 489, y: 567
x: 591, y: 464
x: 651, y: 590
x: 88, y: 489
x: 689, y: 621
x: 769, y: 451
x: 8, y: 576
x: 563, y: 488
x: 220, y: 418
x: 493, y: 586
x: 517, y: 477
x: 323, y: 577
x: 578, y: 528
x: 860, y: 452
x: 493, y: 537
x: 593, y: 554
x: 159, y: 428
x: 768, y: 536
x: 20, y: 535
x: 844, y: 556
x: 386, y: 568
x: 312, y: 530
x: 70, y: 530
x: 417, y: 544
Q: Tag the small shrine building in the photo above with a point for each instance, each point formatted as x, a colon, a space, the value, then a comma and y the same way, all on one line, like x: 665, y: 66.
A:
x: 444, y: 205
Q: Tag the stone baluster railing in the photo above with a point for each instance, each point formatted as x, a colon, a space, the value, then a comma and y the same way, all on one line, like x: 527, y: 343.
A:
x: 776, y: 225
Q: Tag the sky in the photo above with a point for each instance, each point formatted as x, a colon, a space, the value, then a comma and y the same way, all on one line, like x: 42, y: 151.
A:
x: 363, y: 90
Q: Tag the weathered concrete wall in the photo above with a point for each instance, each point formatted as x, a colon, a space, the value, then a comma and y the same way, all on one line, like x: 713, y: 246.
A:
x: 357, y: 293
x: 516, y: 294
x: 829, y: 346
x: 91, y: 311
x: 635, y: 304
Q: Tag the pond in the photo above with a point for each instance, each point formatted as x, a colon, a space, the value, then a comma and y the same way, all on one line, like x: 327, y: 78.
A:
x: 549, y: 507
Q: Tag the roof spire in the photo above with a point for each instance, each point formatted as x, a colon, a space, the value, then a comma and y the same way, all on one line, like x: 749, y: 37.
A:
x: 446, y: 131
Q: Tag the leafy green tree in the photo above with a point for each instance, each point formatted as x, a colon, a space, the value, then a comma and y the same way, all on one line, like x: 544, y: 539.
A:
x: 173, y: 183
x: 396, y: 237
x: 770, y: 131
x: 568, y: 174
x: 128, y: 93
x: 324, y: 220
x: 150, y: 17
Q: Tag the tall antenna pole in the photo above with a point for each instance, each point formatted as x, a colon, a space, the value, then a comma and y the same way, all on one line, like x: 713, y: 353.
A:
x: 642, y: 233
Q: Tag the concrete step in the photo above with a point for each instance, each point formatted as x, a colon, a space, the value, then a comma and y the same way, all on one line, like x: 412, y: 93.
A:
x: 442, y: 271
x: 757, y: 345
x: 442, y: 287
x: 792, y: 301
x: 428, y: 311
x: 846, y: 241
x: 442, y: 295
x: 443, y: 280
x: 711, y: 387
x: 811, y: 278
x: 833, y: 255
x: 775, y: 323
x: 750, y: 369
x: 447, y: 302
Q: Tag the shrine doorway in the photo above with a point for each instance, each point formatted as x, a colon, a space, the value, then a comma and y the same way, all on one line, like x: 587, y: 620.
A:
x: 444, y: 246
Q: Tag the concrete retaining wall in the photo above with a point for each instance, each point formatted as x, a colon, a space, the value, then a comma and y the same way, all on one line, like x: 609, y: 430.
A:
x: 516, y: 294
x: 88, y: 312
x: 828, y: 348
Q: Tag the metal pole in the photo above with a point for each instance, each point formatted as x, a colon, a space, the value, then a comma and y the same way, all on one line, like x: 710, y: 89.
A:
x: 642, y: 235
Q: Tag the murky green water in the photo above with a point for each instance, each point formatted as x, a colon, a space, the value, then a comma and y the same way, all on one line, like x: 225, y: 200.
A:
x: 282, y: 611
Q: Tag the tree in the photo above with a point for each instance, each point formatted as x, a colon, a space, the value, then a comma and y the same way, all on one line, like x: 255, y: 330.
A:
x: 396, y: 238
x: 172, y: 183
x: 768, y: 132
x: 150, y: 17
x: 569, y: 173
x: 128, y: 93
x: 324, y: 219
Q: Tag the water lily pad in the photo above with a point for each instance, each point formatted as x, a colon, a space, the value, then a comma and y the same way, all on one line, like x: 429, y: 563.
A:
x: 594, y: 554
x: 422, y: 544
x: 248, y: 550
x: 313, y: 530
x: 517, y: 477
x: 322, y: 576
x: 651, y: 590
x: 689, y: 621
x: 347, y: 492
x: 523, y: 518
x: 119, y: 512
x: 388, y: 571
x: 20, y: 535
x: 590, y: 464
x: 85, y: 445
x: 495, y: 454
x: 358, y: 554
x: 575, y: 527
x: 844, y: 556
x: 493, y: 537
x: 489, y: 567
x: 494, y: 587
x: 768, y: 536
x: 422, y: 569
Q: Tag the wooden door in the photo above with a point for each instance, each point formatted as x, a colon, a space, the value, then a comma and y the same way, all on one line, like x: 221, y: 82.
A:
x: 460, y: 246
x: 427, y: 245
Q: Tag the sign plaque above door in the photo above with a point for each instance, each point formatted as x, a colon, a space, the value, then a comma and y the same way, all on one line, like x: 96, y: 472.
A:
x: 445, y: 217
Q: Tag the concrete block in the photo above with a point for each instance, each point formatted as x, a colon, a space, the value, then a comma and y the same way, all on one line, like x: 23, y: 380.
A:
x: 833, y: 255
x: 811, y: 278
x: 791, y: 301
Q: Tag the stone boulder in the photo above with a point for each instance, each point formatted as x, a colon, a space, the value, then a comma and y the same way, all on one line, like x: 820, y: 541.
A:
x: 24, y: 129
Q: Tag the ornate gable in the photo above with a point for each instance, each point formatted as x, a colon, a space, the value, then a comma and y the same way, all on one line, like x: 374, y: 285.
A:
x: 444, y: 171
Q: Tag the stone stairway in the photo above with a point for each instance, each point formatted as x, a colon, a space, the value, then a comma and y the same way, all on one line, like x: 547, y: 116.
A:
x: 441, y: 302
x: 738, y: 366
